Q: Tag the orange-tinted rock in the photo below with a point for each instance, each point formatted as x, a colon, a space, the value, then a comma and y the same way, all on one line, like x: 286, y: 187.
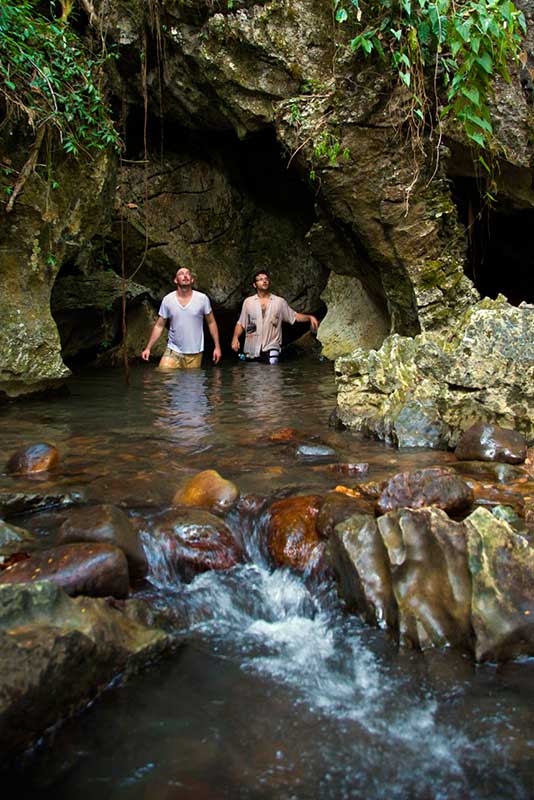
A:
x: 483, y: 442
x: 109, y: 525
x: 432, y: 486
x: 292, y: 533
x: 338, y: 506
x: 207, y: 489
x: 194, y: 541
x: 347, y: 469
x: 38, y: 457
x: 97, y: 570
x: 284, y: 435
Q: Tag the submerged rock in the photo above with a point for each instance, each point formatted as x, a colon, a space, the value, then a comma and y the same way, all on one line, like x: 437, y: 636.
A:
x: 96, y: 570
x: 208, y: 489
x: 292, y: 532
x: 431, y: 486
x: 38, y: 457
x: 57, y: 654
x: 483, y: 442
x: 314, y: 452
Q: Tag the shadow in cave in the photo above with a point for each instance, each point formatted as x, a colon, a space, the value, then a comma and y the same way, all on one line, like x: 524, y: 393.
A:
x: 500, y: 258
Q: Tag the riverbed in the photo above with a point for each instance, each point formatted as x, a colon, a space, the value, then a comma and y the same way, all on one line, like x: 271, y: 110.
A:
x: 275, y: 691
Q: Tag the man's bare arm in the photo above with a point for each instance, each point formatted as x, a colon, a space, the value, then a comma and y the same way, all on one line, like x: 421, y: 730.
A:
x: 238, y: 330
x: 314, y: 324
x: 214, y: 332
x: 157, y: 330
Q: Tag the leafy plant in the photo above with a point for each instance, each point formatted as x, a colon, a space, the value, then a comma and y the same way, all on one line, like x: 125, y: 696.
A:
x: 457, y: 48
x: 48, y: 76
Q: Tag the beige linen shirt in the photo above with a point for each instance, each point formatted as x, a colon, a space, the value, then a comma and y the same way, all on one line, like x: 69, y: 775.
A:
x: 264, y: 331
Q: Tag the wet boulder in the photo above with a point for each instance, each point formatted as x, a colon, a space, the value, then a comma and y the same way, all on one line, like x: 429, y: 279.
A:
x: 337, y: 507
x: 106, y: 524
x: 483, y: 442
x: 361, y: 566
x: 427, y: 554
x: 38, y: 457
x: 292, y: 531
x: 431, y: 486
x: 192, y: 541
x: 501, y: 562
x: 207, y: 489
x: 57, y: 653
x: 96, y: 570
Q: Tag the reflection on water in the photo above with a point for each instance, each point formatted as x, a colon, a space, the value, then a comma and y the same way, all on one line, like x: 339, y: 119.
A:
x: 277, y: 694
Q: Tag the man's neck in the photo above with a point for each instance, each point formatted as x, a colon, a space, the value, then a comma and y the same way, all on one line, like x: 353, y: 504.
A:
x: 263, y: 294
x: 184, y: 292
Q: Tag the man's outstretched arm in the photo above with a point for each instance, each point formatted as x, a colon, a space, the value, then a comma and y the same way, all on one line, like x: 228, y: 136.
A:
x: 157, y: 330
x: 214, y: 332
x: 314, y: 324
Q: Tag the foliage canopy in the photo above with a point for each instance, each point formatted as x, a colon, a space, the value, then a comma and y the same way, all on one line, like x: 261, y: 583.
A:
x: 461, y: 44
x: 50, y: 77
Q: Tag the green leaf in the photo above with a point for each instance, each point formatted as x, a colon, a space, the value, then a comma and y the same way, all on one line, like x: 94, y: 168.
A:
x: 472, y: 93
x: 341, y: 15
x: 486, y: 62
x: 406, y: 78
x: 482, y: 123
x: 477, y: 137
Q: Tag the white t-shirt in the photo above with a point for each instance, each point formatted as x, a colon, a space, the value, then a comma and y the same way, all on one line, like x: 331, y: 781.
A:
x: 186, y: 331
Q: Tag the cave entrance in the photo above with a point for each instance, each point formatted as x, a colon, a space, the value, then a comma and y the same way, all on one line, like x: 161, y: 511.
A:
x: 500, y: 258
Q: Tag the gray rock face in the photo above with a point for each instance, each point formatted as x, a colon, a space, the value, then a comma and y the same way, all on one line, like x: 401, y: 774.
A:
x: 203, y: 213
x: 482, y: 371
x: 35, y: 239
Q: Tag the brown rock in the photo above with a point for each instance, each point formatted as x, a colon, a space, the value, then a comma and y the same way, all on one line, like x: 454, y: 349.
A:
x: 360, y: 562
x: 292, y: 532
x: 38, y: 457
x: 109, y: 525
x: 431, y: 582
x: 194, y: 541
x: 432, y: 486
x: 284, y: 435
x: 207, y: 489
x: 483, y: 442
x: 338, y: 506
x: 96, y: 570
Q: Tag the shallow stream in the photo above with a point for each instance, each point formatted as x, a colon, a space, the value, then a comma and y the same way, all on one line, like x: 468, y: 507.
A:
x: 275, y: 692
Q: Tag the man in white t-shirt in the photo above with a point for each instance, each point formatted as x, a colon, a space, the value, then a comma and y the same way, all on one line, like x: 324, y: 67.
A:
x: 261, y: 320
x: 186, y: 309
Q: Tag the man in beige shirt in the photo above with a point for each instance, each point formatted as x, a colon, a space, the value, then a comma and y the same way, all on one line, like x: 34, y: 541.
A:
x: 261, y: 320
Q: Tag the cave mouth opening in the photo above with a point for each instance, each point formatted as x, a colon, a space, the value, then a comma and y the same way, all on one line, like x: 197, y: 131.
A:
x: 259, y: 187
x: 500, y: 258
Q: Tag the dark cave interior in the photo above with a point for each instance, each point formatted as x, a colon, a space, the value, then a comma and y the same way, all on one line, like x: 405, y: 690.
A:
x: 500, y: 257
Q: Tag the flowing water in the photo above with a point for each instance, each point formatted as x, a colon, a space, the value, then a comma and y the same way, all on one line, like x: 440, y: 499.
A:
x: 275, y: 693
